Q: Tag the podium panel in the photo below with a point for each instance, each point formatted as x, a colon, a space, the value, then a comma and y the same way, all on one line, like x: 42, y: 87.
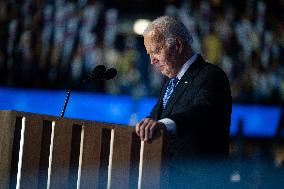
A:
x: 41, y: 151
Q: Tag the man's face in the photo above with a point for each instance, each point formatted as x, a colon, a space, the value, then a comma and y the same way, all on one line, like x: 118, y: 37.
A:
x: 163, y: 57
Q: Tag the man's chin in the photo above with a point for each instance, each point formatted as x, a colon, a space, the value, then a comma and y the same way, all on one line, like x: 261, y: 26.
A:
x: 167, y: 74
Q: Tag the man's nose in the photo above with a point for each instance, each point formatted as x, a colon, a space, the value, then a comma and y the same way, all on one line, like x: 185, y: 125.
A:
x: 154, y: 61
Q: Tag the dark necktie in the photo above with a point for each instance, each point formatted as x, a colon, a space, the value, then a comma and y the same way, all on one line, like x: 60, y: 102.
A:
x: 170, y: 88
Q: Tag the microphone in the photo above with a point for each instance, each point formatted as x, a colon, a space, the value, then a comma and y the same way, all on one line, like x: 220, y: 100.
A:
x: 97, y: 73
x: 109, y: 74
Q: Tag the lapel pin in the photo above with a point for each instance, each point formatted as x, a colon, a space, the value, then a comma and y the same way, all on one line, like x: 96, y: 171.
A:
x: 186, y: 82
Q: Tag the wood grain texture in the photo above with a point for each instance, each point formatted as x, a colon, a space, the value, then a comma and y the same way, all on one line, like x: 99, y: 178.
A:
x: 66, y: 153
x: 7, y: 127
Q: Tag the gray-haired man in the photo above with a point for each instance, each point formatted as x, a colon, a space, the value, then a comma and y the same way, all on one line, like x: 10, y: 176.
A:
x: 195, y: 103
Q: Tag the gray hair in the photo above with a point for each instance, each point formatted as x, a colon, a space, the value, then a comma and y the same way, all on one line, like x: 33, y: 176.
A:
x: 170, y: 28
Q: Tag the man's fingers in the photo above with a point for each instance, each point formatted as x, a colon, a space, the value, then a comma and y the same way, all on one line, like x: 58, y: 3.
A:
x: 147, y: 130
x: 137, y: 127
x: 144, y: 129
x: 152, y: 128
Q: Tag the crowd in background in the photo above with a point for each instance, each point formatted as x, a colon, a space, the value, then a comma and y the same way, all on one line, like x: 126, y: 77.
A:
x: 49, y: 44
x: 53, y: 43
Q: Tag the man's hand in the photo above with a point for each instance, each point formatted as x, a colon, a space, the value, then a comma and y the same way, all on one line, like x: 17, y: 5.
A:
x: 146, y: 128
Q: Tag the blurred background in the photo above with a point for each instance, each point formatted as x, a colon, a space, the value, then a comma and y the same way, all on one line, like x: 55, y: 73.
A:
x: 46, y: 46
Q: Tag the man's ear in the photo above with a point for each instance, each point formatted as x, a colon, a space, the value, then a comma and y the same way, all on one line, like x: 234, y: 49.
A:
x: 179, y: 45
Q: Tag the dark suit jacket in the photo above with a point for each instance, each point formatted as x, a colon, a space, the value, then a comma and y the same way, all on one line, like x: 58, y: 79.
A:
x: 201, y: 106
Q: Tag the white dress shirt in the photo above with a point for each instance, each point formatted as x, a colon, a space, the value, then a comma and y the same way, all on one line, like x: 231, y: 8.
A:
x: 169, y: 123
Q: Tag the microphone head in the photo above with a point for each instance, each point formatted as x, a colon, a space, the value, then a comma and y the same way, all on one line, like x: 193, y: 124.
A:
x: 110, y: 74
x: 98, y: 72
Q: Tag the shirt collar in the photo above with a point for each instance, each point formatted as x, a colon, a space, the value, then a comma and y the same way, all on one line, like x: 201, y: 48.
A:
x: 186, y: 66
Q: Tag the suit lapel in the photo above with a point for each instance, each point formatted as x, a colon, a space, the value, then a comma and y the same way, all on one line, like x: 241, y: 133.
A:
x: 184, y: 82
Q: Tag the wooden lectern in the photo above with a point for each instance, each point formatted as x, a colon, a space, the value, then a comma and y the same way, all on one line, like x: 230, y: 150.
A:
x: 41, y: 151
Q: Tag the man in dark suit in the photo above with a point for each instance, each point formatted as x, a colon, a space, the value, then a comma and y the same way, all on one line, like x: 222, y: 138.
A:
x: 194, y: 106
x: 195, y: 103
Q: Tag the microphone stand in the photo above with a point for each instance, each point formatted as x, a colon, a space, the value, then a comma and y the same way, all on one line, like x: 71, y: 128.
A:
x: 69, y: 93
x: 65, y: 103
